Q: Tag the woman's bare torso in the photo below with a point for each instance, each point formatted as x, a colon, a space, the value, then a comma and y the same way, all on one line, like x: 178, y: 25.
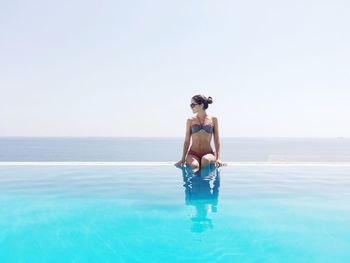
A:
x: 201, y: 139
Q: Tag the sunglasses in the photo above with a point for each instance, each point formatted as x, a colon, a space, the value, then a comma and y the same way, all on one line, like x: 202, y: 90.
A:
x: 193, y: 105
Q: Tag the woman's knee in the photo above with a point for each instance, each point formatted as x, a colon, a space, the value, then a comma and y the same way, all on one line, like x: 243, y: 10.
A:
x: 192, y: 162
x: 206, y: 159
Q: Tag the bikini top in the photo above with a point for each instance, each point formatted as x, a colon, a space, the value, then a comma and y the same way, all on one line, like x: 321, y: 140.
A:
x: 197, y: 127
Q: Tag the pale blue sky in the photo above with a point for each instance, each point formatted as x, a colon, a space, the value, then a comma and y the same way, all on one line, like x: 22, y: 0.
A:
x: 130, y: 68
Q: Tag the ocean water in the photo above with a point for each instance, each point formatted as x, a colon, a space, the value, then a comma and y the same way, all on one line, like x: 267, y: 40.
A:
x: 167, y: 214
x: 170, y: 149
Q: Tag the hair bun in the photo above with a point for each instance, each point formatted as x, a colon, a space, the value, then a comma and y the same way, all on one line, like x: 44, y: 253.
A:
x: 209, y: 100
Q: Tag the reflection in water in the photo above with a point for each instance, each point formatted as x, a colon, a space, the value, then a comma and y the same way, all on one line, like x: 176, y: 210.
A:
x: 202, y: 191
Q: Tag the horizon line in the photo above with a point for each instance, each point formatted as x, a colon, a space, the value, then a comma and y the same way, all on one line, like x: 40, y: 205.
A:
x: 168, y: 163
x: 175, y: 137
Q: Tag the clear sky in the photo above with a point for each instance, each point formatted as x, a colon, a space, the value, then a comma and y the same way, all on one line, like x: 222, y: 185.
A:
x: 130, y: 68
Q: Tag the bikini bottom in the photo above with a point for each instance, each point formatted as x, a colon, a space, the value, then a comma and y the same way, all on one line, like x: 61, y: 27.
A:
x: 199, y: 155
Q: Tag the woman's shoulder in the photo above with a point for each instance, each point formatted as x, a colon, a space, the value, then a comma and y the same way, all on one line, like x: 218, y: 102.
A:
x: 212, y: 118
x: 190, y: 120
x: 194, y: 117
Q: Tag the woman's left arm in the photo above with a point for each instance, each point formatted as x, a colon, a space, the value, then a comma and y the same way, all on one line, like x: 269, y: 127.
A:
x: 216, y: 138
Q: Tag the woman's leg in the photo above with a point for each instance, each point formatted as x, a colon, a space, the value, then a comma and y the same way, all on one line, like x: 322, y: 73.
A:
x: 207, y: 168
x: 207, y: 159
x: 193, y: 161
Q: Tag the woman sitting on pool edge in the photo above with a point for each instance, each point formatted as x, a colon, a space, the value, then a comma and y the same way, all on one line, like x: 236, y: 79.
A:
x: 201, y: 127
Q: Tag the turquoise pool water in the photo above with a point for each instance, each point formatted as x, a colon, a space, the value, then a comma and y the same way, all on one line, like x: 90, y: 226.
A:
x: 161, y: 214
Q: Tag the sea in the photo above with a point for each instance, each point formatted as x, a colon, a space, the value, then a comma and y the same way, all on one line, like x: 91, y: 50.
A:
x: 136, y: 149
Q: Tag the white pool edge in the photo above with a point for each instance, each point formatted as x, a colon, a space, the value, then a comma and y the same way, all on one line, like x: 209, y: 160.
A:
x: 170, y: 163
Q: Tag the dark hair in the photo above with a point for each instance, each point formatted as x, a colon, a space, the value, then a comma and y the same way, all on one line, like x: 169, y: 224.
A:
x: 201, y: 99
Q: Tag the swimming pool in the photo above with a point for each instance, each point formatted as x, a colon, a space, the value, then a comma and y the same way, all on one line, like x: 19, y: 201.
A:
x: 162, y: 214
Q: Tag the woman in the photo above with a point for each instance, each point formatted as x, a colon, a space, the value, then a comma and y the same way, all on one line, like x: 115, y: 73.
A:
x: 201, y: 127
